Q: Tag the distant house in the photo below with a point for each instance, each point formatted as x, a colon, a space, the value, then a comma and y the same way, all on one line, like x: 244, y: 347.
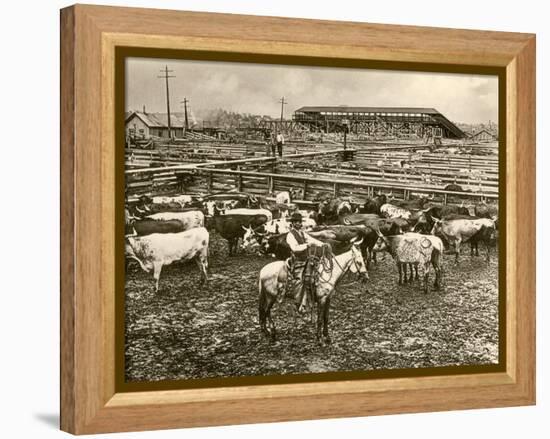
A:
x: 484, y: 136
x: 142, y: 125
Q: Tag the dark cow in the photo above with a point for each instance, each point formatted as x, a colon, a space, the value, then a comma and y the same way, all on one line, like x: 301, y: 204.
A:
x: 355, y: 219
x: 276, y: 245
x: 373, y: 205
x: 148, y: 226
x: 233, y: 227
x: 332, y: 208
x: 367, y: 234
x: 484, y: 210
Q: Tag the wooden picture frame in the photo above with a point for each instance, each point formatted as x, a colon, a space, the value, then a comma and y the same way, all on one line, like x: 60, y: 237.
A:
x: 90, y: 35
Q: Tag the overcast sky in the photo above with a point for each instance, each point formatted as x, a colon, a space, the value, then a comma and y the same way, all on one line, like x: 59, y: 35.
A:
x: 257, y: 88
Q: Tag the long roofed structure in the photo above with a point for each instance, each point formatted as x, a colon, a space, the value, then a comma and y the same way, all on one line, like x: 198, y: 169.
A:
x: 378, y: 121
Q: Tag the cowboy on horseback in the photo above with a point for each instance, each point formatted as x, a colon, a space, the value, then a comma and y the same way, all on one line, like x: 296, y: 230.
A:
x: 307, y: 253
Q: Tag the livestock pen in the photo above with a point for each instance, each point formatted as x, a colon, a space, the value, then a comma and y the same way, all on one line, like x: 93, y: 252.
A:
x: 335, y: 172
x: 187, y: 331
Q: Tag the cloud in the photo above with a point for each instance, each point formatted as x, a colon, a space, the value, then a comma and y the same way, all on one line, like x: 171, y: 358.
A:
x: 257, y: 88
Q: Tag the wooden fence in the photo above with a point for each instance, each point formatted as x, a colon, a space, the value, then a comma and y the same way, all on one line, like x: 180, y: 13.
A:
x: 211, y: 180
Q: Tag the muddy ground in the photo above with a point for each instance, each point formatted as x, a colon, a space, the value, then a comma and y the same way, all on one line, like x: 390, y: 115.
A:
x: 186, y: 331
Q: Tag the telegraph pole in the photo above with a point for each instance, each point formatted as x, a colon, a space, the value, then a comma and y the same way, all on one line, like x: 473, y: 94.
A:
x: 166, y: 75
x: 283, y: 103
x: 185, y: 102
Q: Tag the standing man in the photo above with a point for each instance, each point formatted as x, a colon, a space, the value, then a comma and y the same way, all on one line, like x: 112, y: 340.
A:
x: 273, y: 144
x: 304, y: 262
x: 280, y: 143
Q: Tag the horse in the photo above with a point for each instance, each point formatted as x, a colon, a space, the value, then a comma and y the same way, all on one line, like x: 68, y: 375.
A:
x: 275, y: 275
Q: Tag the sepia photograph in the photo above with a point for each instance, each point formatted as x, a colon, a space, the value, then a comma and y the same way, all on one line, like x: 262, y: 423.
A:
x: 286, y: 220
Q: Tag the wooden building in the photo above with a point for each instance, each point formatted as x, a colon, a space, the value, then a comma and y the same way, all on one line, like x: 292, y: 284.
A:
x: 378, y: 121
x: 143, y: 125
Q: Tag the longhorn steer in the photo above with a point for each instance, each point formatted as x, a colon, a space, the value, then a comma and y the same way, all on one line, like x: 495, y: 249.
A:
x: 391, y: 211
x: 457, y: 231
x: 233, y: 227
x: 152, y: 252
x: 189, y: 219
x: 416, y: 249
x: 150, y: 226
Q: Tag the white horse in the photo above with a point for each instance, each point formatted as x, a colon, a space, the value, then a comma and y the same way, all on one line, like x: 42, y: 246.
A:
x: 275, y: 275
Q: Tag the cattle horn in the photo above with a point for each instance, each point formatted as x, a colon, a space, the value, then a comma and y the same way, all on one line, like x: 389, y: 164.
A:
x: 357, y: 242
x: 246, y: 228
x: 134, y: 233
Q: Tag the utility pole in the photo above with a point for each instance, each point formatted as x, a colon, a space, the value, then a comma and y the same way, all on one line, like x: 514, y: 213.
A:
x: 185, y: 102
x: 283, y: 103
x: 166, y: 75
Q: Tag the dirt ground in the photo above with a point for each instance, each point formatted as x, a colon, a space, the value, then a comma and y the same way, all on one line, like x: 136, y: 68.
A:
x: 186, y: 331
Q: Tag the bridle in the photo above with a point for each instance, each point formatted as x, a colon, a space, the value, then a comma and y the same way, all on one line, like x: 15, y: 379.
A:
x: 347, y: 265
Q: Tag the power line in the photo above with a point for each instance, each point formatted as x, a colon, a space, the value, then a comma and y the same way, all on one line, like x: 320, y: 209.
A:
x: 166, y: 76
x: 185, y: 102
x: 283, y: 103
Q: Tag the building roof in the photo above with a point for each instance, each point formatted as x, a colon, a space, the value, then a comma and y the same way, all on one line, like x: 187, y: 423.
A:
x: 158, y: 120
x: 348, y: 109
x: 484, y: 131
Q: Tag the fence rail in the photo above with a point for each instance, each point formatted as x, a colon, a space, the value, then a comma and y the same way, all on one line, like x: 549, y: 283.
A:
x: 210, y: 180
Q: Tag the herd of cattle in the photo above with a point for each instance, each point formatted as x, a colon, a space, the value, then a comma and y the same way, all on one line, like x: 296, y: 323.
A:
x: 161, y: 230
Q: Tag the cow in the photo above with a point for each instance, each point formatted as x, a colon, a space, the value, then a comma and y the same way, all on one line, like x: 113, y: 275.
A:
x: 246, y: 211
x: 189, y: 219
x: 182, y: 200
x: 231, y: 200
x: 373, y: 205
x: 459, y: 230
x: 424, y: 222
x: 218, y: 207
x: 149, y: 226
x: 153, y: 252
x: 345, y: 234
x: 233, y: 227
x: 330, y: 209
x: 391, y: 211
x: 277, y: 246
x: 254, y: 237
x: 484, y: 210
x: 414, y: 249
x: 354, y: 219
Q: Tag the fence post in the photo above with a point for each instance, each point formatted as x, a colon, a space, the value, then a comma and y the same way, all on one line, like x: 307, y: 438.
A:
x: 335, y: 190
x: 240, y: 182
x: 305, y: 190
x: 210, y: 182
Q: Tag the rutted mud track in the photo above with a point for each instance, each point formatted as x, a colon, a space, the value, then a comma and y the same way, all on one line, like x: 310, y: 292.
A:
x: 187, y: 331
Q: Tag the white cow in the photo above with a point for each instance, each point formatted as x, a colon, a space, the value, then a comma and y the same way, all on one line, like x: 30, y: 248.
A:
x: 391, y: 211
x: 282, y: 197
x: 219, y: 205
x: 182, y: 200
x: 152, y: 252
x: 189, y: 219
